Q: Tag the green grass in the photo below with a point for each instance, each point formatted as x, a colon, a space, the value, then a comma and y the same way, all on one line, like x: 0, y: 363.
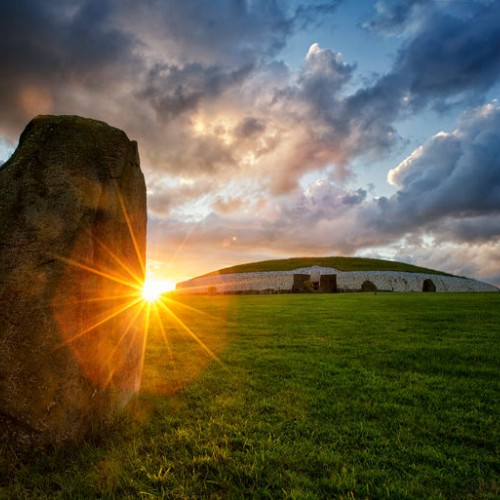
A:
x: 319, y: 396
x: 340, y: 263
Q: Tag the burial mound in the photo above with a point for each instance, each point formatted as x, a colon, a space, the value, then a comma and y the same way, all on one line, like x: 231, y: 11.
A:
x: 329, y: 274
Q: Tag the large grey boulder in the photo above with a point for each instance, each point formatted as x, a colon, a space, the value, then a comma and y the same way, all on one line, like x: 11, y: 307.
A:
x: 72, y: 251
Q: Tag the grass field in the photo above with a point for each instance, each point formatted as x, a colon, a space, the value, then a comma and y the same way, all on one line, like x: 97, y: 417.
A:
x: 340, y: 263
x: 317, y: 396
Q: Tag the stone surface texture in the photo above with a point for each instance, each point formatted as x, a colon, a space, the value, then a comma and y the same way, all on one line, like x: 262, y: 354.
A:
x: 71, y: 349
x: 348, y: 281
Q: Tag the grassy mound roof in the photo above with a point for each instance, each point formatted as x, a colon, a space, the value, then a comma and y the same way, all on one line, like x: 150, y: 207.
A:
x: 340, y: 263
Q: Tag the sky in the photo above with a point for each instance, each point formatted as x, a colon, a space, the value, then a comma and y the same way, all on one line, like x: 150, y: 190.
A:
x: 270, y: 129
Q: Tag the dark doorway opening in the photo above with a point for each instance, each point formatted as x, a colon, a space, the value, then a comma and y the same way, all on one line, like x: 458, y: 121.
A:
x: 368, y: 286
x: 428, y: 286
x: 328, y: 283
x: 301, y: 283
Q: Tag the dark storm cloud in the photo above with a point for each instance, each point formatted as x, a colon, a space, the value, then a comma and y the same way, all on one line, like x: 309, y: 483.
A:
x: 249, y: 127
x: 240, y: 32
x: 310, y: 14
x: 394, y: 17
x: 167, y: 60
x: 445, y: 58
x: 46, y: 45
x: 449, y: 56
x: 452, y: 56
x: 236, y: 29
x: 454, y: 177
x: 173, y: 90
x: 473, y: 230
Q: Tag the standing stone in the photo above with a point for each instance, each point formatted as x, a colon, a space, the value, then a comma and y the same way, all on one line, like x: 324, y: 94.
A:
x: 72, y: 252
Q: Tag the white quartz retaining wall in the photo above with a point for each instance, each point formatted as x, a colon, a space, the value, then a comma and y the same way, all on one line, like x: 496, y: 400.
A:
x: 241, y: 282
x: 409, y: 282
x: 346, y: 281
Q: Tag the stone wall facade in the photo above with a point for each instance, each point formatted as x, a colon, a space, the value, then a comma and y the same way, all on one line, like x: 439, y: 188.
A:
x: 350, y: 281
x: 242, y: 282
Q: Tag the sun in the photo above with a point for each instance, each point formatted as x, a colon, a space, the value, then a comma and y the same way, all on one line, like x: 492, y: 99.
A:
x: 153, y: 288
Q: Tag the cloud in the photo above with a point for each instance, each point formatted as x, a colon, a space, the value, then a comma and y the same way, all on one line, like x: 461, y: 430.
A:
x: 249, y: 127
x: 456, y: 174
x: 450, y: 57
x: 444, y: 60
x: 227, y: 205
x: 480, y: 261
x: 445, y: 214
x: 313, y: 13
x: 325, y: 72
x: 395, y: 17
x: 47, y: 46
x: 228, y: 132
x: 166, y: 195
x: 172, y: 90
x: 202, y: 91
x: 238, y: 32
x: 316, y: 220
x: 277, y: 127
x: 184, y: 81
x: 191, y: 83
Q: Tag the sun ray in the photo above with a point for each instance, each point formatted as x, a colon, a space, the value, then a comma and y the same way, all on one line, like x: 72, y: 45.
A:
x: 118, y: 260
x: 174, y: 382
x: 191, y: 333
x: 111, y: 277
x: 181, y: 246
x: 90, y: 300
x: 130, y: 230
x: 109, y: 317
x: 167, y: 343
x: 122, y: 337
x: 193, y: 309
x: 145, y: 336
x: 164, y: 334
